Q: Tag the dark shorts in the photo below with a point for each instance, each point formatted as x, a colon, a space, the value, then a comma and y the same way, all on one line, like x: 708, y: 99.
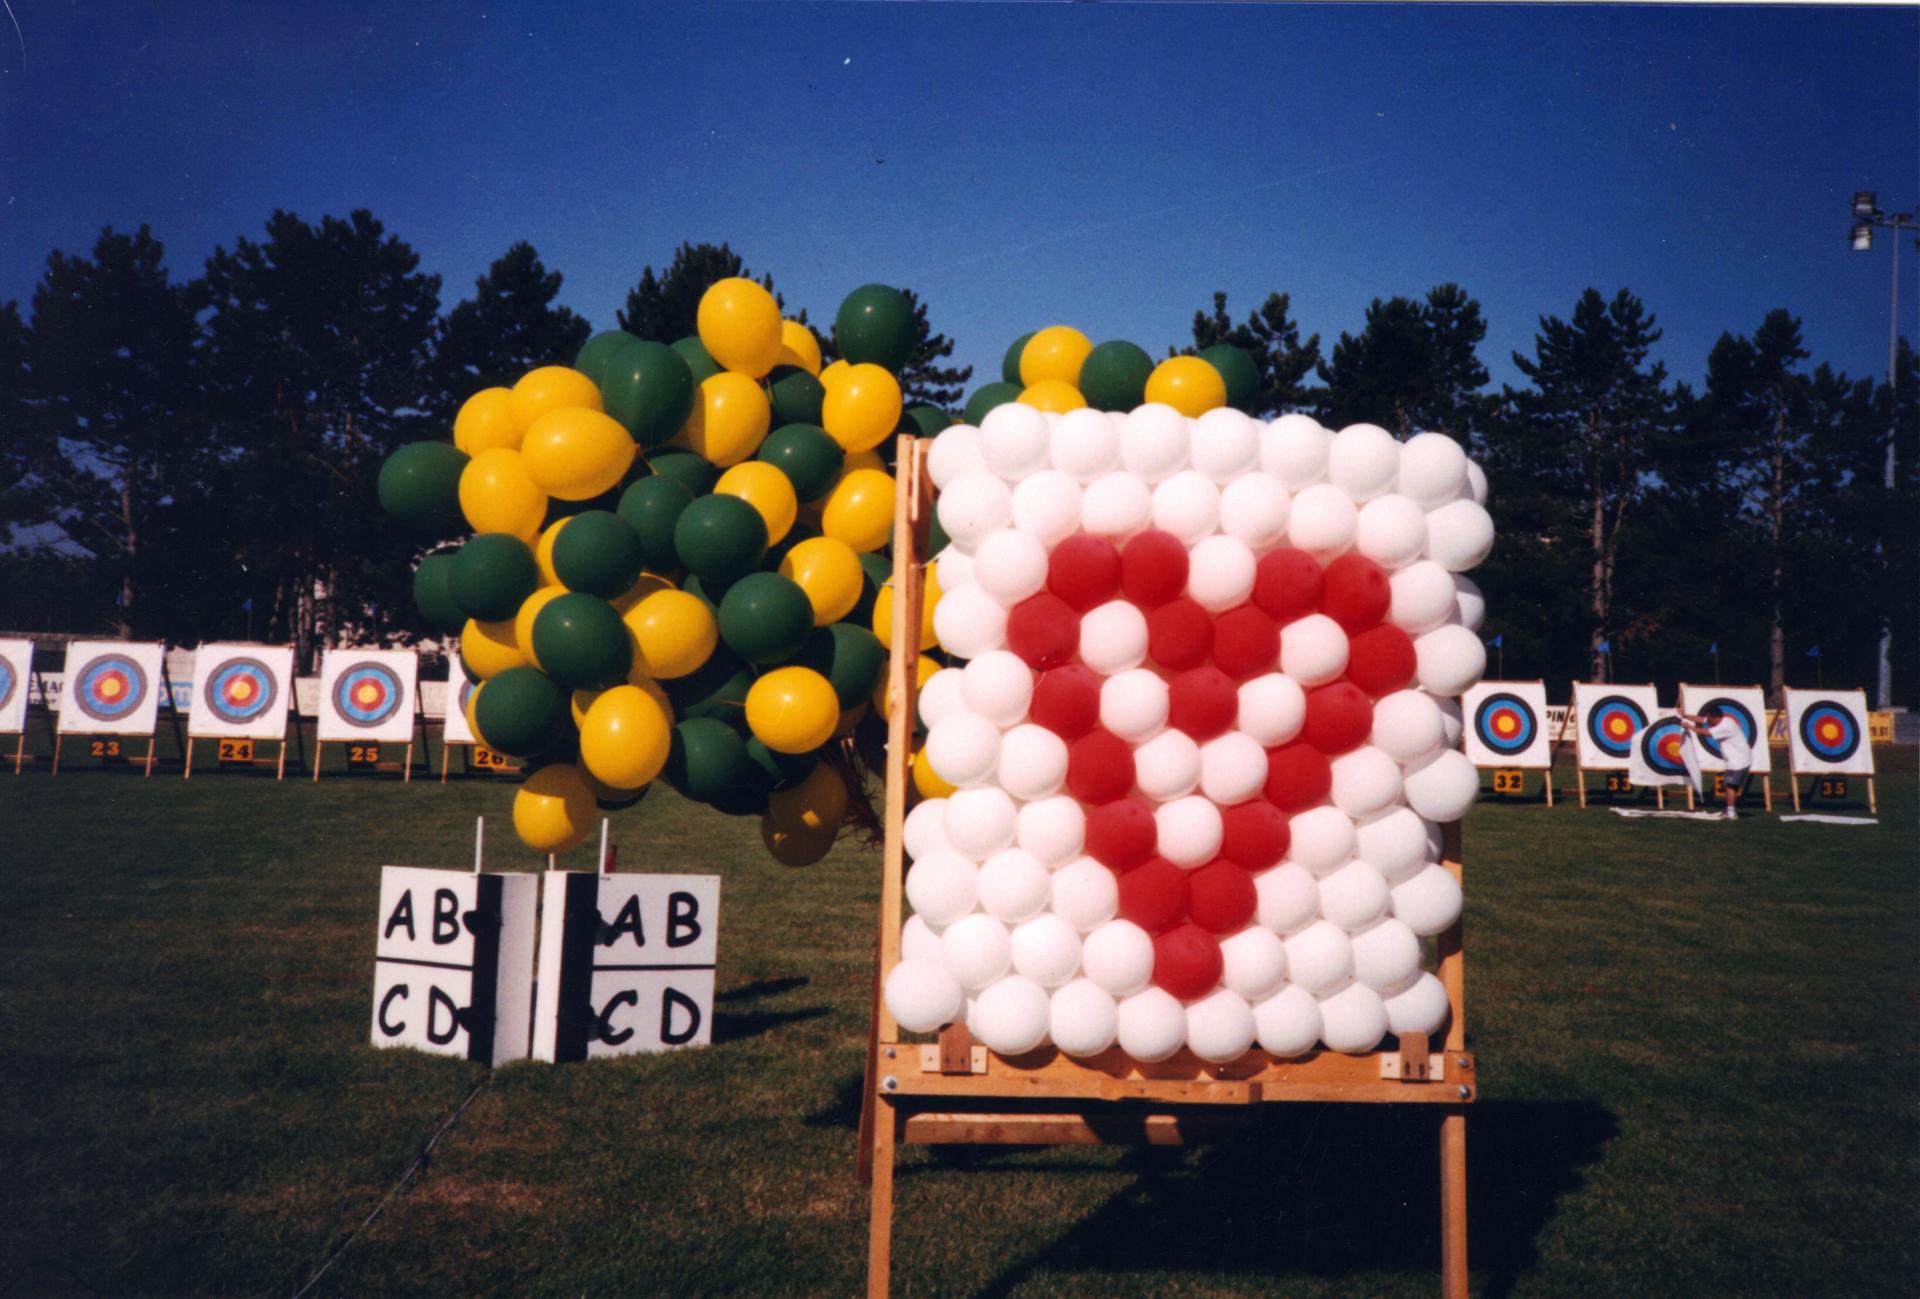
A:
x: 1737, y: 780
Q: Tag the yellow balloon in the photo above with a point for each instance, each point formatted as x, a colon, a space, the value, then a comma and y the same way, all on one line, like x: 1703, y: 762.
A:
x: 486, y: 421
x: 1187, y: 384
x: 856, y: 460
x: 859, y: 510
x: 543, y: 551
x: 730, y: 418
x: 926, y: 780
x: 652, y: 690
x: 862, y: 409
x: 553, y: 810
x: 577, y: 454
x: 578, y: 703
x: 673, y: 633
x: 792, y: 710
x: 740, y: 324
x: 498, y: 494
x: 883, y: 613
x: 1055, y: 352
x: 1055, y: 395
x: 923, y: 670
x: 529, y: 610
x: 791, y: 847
x: 767, y: 490
x: 829, y: 572
x: 645, y: 585
x: 551, y: 388
x: 833, y: 374
x: 490, y: 648
x: 624, y: 738
x: 799, y: 347
x: 817, y: 803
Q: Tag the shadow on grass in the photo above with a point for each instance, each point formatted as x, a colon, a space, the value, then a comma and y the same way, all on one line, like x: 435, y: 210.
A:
x: 843, y: 1111
x: 1325, y: 1191
x: 762, y: 988
x: 732, y: 1026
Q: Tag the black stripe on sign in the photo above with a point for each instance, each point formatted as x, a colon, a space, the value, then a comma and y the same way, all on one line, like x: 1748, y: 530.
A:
x: 578, y: 931
x: 485, y: 925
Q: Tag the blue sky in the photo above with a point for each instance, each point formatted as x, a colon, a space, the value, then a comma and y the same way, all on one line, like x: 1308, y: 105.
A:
x: 1107, y: 166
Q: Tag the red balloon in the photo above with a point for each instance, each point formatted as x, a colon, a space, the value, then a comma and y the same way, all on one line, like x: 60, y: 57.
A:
x: 1066, y: 700
x: 1298, y: 777
x: 1287, y: 584
x: 1357, y: 594
x: 1179, y: 635
x: 1084, y: 570
x: 1380, y: 660
x: 1246, y: 642
x: 1253, y: 835
x: 1153, y: 568
x: 1154, y: 896
x: 1187, y: 962
x: 1044, y: 630
x: 1220, y: 897
x: 1099, y: 767
x: 1121, y: 834
x: 1203, y: 702
x: 1339, y: 718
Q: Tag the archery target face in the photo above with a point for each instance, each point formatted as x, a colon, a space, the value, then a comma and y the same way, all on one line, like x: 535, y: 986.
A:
x: 16, y: 662
x: 367, y: 695
x: 1662, y: 753
x: 111, y: 688
x: 1747, y: 705
x: 1168, y: 805
x: 1506, y: 724
x: 1827, y: 732
x: 241, y: 691
x: 459, y: 690
x: 1606, y: 720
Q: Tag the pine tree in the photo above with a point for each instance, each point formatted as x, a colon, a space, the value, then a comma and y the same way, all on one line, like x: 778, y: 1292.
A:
x: 1412, y: 368
x: 664, y: 308
x: 509, y: 326
x: 1271, y: 337
x: 24, y: 446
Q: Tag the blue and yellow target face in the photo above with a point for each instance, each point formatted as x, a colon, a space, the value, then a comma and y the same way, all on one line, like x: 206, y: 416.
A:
x: 9, y: 682
x: 239, y: 691
x: 1506, y: 724
x: 1829, y: 731
x: 1662, y: 748
x: 1612, y: 723
x: 367, y: 694
x: 1738, y: 712
x: 109, y: 688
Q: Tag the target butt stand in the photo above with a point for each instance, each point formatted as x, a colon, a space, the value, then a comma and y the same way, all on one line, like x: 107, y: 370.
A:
x: 955, y: 1091
x: 108, y: 742
x: 418, y: 733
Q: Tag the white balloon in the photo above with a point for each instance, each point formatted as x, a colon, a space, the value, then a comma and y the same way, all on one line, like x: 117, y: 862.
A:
x: 1452, y: 721
x: 1167, y: 766
x: 1313, y: 650
x: 1083, y: 1018
x: 955, y: 451
x: 972, y: 505
x: 1220, y: 1026
x: 1253, y: 962
x: 1233, y: 768
x: 1393, y: 843
x: 942, y: 887
x: 1113, y: 637
x: 1086, y: 895
x: 1353, y: 897
x: 1010, y: 1018
x: 1187, y: 831
x: 1470, y: 603
x: 1294, y: 449
x: 1433, y: 469
x: 1365, y: 780
x: 1443, y: 787
x: 1322, y: 521
x: 1319, y: 957
x: 1289, y: 898
x: 1053, y: 829
x: 924, y: 831
x: 1420, y: 1007
x: 1387, y: 956
x: 1133, y: 704
x: 1428, y: 901
x: 920, y: 941
x: 980, y: 822
x: 922, y: 996
x: 1014, y: 886
x: 1449, y: 659
x: 1225, y: 444
x: 943, y: 696
x: 1392, y: 531
x: 1459, y: 535
x: 1014, y: 440
x: 1033, y: 762
x: 1353, y: 1020
x: 1287, y: 1022
x: 1154, y: 441
x: 1047, y: 950
x: 1187, y: 505
x: 1272, y: 709
x: 1254, y: 509
x: 1118, y: 956
x: 1116, y: 506
x: 1010, y: 565
x: 1152, y: 1025
x: 963, y: 749
x: 977, y: 951
x: 953, y: 569
x: 1406, y: 725
x: 1047, y: 504
x: 997, y: 686
x: 1321, y: 838
x: 1085, y: 445
x: 1220, y: 573
x: 969, y: 622
x: 1423, y: 597
x: 1476, y: 482
x: 1364, y: 461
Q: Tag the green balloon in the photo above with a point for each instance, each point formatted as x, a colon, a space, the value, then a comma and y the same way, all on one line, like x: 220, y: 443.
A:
x: 1237, y: 369
x: 876, y: 571
x: 598, y: 351
x: 801, y: 531
x: 419, y: 487
x: 710, y: 593
x: 720, y: 538
x: 875, y: 326
x: 433, y: 595
x: 926, y: 421
x: 521, y: 711
x: 649, y: 389
x: 796, y: 395
x: 716, y: 689
x: 705, y: 758
x: 581, y: 642
x: 765, y: 618
x: 699, y: 360
x: 806, y: 455
x: 850, y: 657
x: 599, y: 553
x: 492, y: 574
x: 694, y: 472
x: 1010, y: 363
x: 650, y: 508
x: 1114, y: 375
x: 768, y: 769
x: 986, y: 397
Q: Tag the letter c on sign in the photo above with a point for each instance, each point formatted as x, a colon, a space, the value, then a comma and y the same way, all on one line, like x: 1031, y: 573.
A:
x: 603, y: 1025
x: 398, y: 992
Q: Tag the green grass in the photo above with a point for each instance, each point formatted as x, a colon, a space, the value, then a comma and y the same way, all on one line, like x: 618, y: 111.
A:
x: 1695, y: 1043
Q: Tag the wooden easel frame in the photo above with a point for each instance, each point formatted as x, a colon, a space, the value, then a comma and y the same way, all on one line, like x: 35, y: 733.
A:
x: 1793, y: 768
x: 151, y: 737
x: 919, y: 1092
x: 1553, y: 744
x: 404, y: 767
x: 1759, y: 745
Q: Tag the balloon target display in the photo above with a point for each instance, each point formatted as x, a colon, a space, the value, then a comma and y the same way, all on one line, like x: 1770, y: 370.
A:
x: 241, y: 691
x: 1827, y: 731
x: 1610, y: 718
x: 15, y: 658
x: 1506, y: 724
x: 367, y: 695
x: 111, y: 688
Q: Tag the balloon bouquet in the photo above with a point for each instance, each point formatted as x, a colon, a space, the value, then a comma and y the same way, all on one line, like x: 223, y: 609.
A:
x: 678, y: 560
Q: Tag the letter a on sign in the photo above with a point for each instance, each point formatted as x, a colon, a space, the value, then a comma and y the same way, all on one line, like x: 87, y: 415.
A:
x: 453, y: 963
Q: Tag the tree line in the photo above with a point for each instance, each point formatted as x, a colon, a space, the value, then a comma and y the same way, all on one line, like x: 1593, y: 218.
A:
x: 191, y: 460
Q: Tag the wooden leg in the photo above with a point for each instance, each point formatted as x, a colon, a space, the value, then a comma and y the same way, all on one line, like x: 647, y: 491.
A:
x: 880, y: 1227
x: 20, y: 750
x: 1660, y: 797
x: 57, y: 738
x: 280, y: 768
x: 1453, y: 1204
x: 1796, y: 792
x: 152, y: 742
x: 870, y: 1080
x: 446, y: 756
x: 407, y: 779
x: 1766, y: 790
x: 1873, y: 800
x: 186, y: 763
x: 1549, y: 786
x: 319, y: 746
x: 1581, y: 773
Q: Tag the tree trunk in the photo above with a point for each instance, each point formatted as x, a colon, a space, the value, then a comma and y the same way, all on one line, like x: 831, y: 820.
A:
x: 1601, y: 591
x: 1776, y: 631
x: 129, y: 554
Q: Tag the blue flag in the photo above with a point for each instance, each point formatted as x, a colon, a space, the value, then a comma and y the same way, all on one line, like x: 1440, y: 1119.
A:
x: 1714, y: 648
x: 247, y: 605
x: 1495, y: 642
x: 1814, y: 653
x: 1603, y: 646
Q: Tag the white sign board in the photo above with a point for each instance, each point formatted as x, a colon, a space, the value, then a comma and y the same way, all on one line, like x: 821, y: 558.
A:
x: 16, y: 674
x: 367, y: 695
x: 1505, y: 724
x: 1827, y: 733
x: 112, y: 688
x: 626, y: 964
x: 459, y: 687
x: 241, y: 692
x: 453, y: 963
x: 1746, y: 705
x: 1606, y: 720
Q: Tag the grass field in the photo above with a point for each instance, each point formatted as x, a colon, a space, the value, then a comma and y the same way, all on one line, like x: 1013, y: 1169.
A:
x: 1695, y: 1040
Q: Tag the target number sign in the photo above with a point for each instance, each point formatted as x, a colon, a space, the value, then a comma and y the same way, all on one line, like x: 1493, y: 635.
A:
x: 1509, y: 780
x: 1619, y: 783
x: 237, y: 752
x: 105, y: 750
x: 488, y: 759
x: 453, y: 963
x: 366, y: 696
x: 1832, y: 786
x: 363, y: 755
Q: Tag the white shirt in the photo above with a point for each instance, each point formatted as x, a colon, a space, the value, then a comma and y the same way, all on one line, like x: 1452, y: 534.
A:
x: 1732, y: 739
